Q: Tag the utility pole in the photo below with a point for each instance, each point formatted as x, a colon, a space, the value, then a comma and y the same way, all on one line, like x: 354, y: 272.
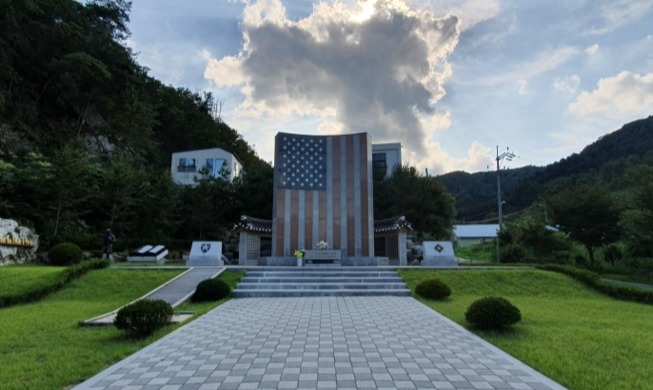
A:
x: 508, y: 155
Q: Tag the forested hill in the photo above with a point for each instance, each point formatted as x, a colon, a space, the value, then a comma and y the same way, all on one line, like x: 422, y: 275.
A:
x: 66, y: 76
x: 86, y: 135
x: 605, y: 160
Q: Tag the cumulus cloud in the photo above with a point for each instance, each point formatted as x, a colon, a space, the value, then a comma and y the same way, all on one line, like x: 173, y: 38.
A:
x: 615, y: 101
x: 376, y: 66
x: 470, y: 12
x: 625, y: 96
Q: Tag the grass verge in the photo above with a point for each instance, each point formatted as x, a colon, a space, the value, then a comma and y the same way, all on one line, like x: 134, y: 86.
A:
x: 41, y: 344
x: 44, y: 282
x: 576, y: 336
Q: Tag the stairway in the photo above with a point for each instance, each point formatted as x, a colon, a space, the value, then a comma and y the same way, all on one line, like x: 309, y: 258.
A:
x: 320, y: 282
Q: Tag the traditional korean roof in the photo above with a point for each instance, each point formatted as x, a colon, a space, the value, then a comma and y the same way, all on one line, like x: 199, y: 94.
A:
x: 394, y: 224
x: 264, y: 226
x: 253, y: 225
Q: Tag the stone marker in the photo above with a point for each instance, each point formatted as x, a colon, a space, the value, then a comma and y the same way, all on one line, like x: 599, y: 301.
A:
x: 205, y: 253
x: 18, y: 244
x: 148, y: 254
x: 439, y: 254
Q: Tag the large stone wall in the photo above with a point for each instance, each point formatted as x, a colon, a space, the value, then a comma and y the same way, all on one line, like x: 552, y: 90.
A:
x: 18, y: 244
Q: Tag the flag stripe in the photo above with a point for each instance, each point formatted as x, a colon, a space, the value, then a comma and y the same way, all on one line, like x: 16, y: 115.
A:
x: 308, y: 206
x: 335, y: 193
x: 349, y: 233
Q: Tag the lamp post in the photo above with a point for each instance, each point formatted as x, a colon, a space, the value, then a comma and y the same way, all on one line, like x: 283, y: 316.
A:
x: 508, y: 155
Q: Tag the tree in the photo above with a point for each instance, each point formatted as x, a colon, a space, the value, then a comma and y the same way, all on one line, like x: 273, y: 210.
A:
x: 423, y: 200
x: 587, y: 213
x: 254, y: 189
x: 637, y: 219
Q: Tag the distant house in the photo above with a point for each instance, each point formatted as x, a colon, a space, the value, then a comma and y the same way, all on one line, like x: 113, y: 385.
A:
x: 187, y: 166
x: 466, y: 235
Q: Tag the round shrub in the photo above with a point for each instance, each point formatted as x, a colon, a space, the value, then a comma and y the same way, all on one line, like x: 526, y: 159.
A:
x: 211, y: 290
x: 65, y: 253
x: 433, y: 289
x: 143, y: 317
x: 492, y: 313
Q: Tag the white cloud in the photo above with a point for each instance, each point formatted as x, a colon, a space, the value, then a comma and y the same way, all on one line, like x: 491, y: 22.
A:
x: 624, y: 97
x: 568, y: 86
x: 618, y: 13
x: 476, y: 159
x: 376, y: 66
x: 470, y: 12
x: 546, y: 61
x: 592, y: 50
x: 615, y: 101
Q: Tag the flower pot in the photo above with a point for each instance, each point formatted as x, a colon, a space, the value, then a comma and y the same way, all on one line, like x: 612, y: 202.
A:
x: 300, y: 261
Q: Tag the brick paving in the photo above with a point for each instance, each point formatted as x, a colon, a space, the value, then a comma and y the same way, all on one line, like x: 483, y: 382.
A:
x: 320, y: 343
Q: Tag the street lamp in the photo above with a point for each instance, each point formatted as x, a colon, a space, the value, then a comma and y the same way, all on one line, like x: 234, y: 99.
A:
x: 508, y: 155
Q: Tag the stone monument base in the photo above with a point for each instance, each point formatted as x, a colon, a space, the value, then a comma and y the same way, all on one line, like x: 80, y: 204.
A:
x: 291, y: 261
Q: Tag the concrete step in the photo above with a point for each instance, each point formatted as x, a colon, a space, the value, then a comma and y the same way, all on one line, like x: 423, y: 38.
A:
x: 303, y: 274
x: 325, y: 279
x: 238, y: 293
x: 321, y: 286
x: 320, y: 281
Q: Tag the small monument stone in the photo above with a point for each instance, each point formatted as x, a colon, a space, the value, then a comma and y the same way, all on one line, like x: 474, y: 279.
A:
x: 148, y: 254
x: 206, y: 254
x: 439, y: 254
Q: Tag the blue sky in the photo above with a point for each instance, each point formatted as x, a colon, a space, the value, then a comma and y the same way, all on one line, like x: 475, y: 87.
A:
x: 449, y: 79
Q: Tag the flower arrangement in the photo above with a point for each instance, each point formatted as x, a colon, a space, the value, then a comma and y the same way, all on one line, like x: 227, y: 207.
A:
x: 299, y: 254
x: 322, y: 245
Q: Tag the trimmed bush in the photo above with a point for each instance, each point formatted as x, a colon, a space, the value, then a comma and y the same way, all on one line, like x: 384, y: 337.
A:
x: 433, y: 289
x: 65, y: 253
x: 211, y: 290
x: 494, y: 313
x: 143, y: 317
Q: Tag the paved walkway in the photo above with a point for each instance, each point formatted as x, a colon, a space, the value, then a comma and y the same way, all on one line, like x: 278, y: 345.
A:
x: 175, y: 292
x: 320, y: 343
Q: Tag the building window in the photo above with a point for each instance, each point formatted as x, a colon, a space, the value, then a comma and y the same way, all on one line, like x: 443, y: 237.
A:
x: 214, y: 166
x: 186, y: 165
x: 379, y: 161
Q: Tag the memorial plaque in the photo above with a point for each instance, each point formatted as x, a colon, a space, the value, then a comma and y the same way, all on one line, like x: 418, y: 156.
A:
x: 439, y: 254
x: 205, y: 253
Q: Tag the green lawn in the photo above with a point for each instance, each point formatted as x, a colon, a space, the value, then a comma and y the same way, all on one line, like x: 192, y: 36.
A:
x: 42, y: 346
x: 578, y: 337
x: 15, y: 279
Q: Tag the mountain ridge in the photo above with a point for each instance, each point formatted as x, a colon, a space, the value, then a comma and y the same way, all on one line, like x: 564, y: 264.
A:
x: 605, y: 159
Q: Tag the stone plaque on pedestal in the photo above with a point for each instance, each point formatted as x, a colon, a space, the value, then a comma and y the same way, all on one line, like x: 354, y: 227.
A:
x: 206, y: 254
x: 439, y: 254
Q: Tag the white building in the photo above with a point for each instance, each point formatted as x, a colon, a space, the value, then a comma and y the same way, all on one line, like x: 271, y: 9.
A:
x: 467, y: 235
x: 187, y: 166
x: 386, y: 156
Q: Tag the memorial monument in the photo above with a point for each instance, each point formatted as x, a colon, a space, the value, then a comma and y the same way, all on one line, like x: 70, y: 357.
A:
x: 322, y: 193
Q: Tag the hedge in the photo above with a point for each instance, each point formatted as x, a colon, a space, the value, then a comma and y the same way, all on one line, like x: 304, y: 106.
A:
x: 593, y: 280
x: 64, y: 278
